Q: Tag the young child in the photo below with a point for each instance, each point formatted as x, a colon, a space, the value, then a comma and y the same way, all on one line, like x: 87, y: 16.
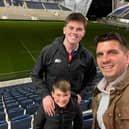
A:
x: 67, y: 111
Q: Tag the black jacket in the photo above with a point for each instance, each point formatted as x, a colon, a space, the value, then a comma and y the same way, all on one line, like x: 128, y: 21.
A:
x: 53, y: 64
x: 68, y: 118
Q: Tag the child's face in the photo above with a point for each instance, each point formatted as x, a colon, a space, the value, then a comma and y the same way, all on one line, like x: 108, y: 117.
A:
x: 61, y: 98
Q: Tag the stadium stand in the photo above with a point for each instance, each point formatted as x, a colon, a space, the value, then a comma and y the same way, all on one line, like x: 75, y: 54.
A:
x: 19, y: 103
x: 118, y: 17
x: 51, y: 6
x: 34, y: 5
x: 119, y: 11
x: 21, y: 122
x: 1, y: 3
x: 18, y: 3
x: 32, y: 10
x: 87, y: 122
x: 3, y: 125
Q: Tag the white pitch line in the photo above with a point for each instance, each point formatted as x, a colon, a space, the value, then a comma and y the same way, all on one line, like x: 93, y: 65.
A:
x: 28, y: 51
x: 2, y: 74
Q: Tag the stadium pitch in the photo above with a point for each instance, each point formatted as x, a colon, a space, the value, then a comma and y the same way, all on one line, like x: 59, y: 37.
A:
x: 21, y: 42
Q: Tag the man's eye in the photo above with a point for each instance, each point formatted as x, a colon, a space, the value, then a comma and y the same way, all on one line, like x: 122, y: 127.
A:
x: 99, y: 54
x: 113, y: 52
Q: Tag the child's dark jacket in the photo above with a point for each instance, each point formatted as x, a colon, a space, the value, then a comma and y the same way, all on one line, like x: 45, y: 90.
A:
x: 68, y: 118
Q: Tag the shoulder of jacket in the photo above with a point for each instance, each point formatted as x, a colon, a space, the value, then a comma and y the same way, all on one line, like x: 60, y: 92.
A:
x: 53, y: 46
x: 85, y: 51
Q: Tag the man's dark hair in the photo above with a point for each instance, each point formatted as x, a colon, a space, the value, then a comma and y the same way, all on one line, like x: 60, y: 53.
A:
x: 76, y: 17
x: 112, y: 36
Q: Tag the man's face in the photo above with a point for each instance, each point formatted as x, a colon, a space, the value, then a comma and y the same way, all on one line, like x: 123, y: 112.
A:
x: 61, y: 98
x: 111, y: 59
x: 74, y: 31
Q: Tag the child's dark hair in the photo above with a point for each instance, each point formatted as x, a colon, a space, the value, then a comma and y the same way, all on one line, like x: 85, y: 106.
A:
x: 62, y: 85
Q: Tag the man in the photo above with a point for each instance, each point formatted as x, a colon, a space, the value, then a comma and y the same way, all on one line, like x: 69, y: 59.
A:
x: 111, y: 96
x: 65, y: 59
x: 67, y: 111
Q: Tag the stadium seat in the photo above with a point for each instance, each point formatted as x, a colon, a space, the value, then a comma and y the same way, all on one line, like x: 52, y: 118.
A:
x: 84, y: 105
x: 3, y: 125
x: 2, y: 115
x: 1, y: 3
x: 87, y: 120
x: 51, y: 5
x: 1, y: 107
x: 21, y: 122
x: 12, y: 105
x: 26, y: 102
x: 38, y: 99
x: 87, y: 124
x: 34, y: 5
x: 87, y: 115
x: 31, y: 108
x: 15, y: 112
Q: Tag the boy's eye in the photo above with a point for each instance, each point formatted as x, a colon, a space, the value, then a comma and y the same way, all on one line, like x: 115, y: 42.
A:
x: 71, y: 28
x: 79, y: 29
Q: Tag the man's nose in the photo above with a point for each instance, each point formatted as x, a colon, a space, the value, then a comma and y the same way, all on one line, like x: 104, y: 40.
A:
x: 105, y: 58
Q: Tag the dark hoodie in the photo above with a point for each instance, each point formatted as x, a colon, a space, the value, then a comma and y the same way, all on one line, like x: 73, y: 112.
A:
x: 68, y: 118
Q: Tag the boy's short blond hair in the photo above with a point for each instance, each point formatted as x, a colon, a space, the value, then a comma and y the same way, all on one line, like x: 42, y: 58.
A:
x: 62, y: 85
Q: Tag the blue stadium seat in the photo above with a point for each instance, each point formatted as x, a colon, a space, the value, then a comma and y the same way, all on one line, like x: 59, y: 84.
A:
x: 87, y: 115
x: 84, y: 105
x: 17, y: 3
x: 87, y: 120
x: 87, y: 124
x: 3, y: 125
x: 10, y: 101
x: 12, y: 105
x: 34, y: 5
x: 1, y: 108
x: 120, y: 10
x: 2, y: 115
x: 26, y: 102
x: 31, y: 108
x: 21, y: 122
x: 51, y: 6
x: 38, y: 99
x: 1, y: 3
x: 15, y: 112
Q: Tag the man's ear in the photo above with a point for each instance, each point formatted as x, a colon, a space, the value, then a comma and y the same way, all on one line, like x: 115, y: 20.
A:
x: 128, y: 58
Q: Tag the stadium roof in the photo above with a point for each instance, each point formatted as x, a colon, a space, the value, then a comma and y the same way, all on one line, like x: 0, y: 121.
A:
x: 121, y: 12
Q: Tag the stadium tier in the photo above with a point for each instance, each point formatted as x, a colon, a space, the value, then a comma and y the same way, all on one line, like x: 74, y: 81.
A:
x: 34, y: 5
x: 1, y: 3
x: 19, y: 103
x: 32, y: 10
x: 121, y: 12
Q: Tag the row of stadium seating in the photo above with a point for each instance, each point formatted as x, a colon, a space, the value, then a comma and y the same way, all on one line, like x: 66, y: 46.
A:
x: 34, y: 4
x: 19, y: 103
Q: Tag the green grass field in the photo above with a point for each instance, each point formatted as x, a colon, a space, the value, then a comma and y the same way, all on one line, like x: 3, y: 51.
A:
x: 21, y: 42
